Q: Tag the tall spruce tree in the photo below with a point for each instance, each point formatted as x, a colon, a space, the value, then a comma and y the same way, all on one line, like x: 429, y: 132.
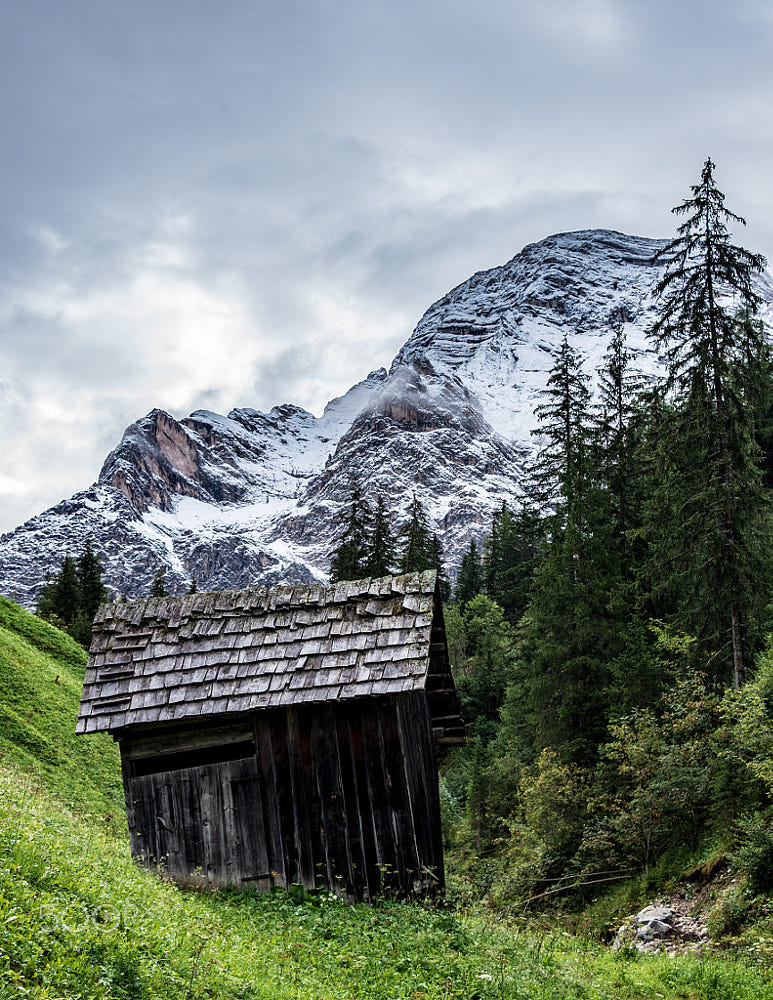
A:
x: 417, y: 551
x: 619, y: 548
x: 616, y: 437
x: 723, y: 512
x: 756, y: 386
x: 349, y: 560
x: 510, y: 555
x: 380, y: 543
x: 92, y: 589
x: 469, y: 579
x: 564, y: 631
x: 60, y: 600
x: 560, y: 472
x: 438, y: 564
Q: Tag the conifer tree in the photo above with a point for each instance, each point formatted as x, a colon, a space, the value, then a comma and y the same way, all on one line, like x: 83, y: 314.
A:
x: 158, y: 587
x: 351, y: 554
x: 724, y: 514
x: 61, y: 599
x: 92, y: 590
x: 69, y: 590
x: 438, y: 564
x: 469, y: 580
x: 509, y: 558
x: 560, y: 472
x: 754, y: 382
x: 619, y: 546
x: 563, y: 652
x: 417, y: 552
x: 616, y: 426
x: 380, y: 543
x: 81, y: 629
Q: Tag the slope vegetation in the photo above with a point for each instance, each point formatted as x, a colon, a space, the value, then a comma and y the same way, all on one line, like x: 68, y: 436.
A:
x: 41, y: 676
x: 79, y: 920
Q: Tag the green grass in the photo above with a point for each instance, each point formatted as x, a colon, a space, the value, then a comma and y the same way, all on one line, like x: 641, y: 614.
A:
x: 40, y: 634
x: 41, y: 676
x: 79, y: 920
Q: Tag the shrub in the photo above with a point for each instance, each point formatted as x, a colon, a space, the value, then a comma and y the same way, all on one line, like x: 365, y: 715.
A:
x: 753, y: 855
x: 729, y: 913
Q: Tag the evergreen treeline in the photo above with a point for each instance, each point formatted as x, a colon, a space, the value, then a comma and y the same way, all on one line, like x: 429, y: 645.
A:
x: 71, y: 599
x: 367, y: 546
x: 604, y: 637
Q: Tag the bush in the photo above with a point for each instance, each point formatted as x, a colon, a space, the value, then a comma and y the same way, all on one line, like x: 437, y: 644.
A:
x: 753, y: 855
x: 554, y: 794
x: 729, y: 913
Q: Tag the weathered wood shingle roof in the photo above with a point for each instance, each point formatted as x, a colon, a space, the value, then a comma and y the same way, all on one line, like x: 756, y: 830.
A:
x: 175, y: 658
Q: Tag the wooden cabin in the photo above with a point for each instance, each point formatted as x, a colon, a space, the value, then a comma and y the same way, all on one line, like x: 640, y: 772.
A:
x: 284, y: 736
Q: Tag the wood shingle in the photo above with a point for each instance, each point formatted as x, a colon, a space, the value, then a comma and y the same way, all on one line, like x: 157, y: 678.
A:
x: 270, y: 737
x: 176, y: 658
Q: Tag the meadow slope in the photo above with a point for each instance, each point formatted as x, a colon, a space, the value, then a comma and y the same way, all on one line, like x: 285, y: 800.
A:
x: 79, y: 920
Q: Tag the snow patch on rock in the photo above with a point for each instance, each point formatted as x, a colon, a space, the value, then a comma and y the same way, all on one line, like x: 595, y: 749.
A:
x: 256, y: 498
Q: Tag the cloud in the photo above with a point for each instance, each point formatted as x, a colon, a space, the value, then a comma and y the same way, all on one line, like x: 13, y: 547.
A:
x: 254, y: 203
x: 587, y: 27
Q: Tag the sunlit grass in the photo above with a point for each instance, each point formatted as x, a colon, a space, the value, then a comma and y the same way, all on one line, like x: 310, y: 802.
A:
x: 41, y: 676
x: 79, y: 919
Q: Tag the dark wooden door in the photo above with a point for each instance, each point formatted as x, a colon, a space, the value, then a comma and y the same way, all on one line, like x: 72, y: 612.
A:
x: 203, y: 824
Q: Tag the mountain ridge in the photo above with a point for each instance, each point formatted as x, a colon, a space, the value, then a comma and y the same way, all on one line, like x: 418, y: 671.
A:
x: 255, y: 498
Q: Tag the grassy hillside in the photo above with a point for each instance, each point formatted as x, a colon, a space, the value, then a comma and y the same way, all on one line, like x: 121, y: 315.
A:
x: 41, y: 676
x: 79, y: 920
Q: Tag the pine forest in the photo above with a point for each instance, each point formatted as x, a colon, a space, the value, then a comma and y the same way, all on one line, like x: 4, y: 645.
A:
x: 611, y: 636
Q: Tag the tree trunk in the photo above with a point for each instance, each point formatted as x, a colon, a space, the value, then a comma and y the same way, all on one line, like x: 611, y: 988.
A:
x: 736, y: 625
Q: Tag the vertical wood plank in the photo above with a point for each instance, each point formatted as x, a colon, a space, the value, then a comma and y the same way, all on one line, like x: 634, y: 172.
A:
x: 378, y: 798
x: 143, y: 811
x: 194, y: 844
x: 398, y: 801
x: 358, y: 866
x: 211, y: 805
x: 168, y: 832
x: 230, y: 839
x: 309, y: 720
x: 422, y: 785
x: 329, y: 790
x: 362, y: 811
x: 429, y: 756
x: 284, y: 795
x: 135, y: 807
x: 267, y: 775
x: 299, y: 786
x: 248, y: 821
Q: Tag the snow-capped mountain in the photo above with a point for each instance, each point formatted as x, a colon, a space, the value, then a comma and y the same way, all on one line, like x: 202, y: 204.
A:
x: 257, y: 497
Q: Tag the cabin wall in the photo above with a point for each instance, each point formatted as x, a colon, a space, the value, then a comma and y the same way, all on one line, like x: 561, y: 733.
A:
x: 340, y: 795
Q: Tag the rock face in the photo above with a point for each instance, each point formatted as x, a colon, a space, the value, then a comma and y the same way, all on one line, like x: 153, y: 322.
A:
x: 256, y: 497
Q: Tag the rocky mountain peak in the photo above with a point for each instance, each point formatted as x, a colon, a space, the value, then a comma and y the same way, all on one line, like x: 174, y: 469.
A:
x: 256, y: 497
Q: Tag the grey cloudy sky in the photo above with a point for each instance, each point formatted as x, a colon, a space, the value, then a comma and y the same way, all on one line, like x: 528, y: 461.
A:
x: 248, y: 203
